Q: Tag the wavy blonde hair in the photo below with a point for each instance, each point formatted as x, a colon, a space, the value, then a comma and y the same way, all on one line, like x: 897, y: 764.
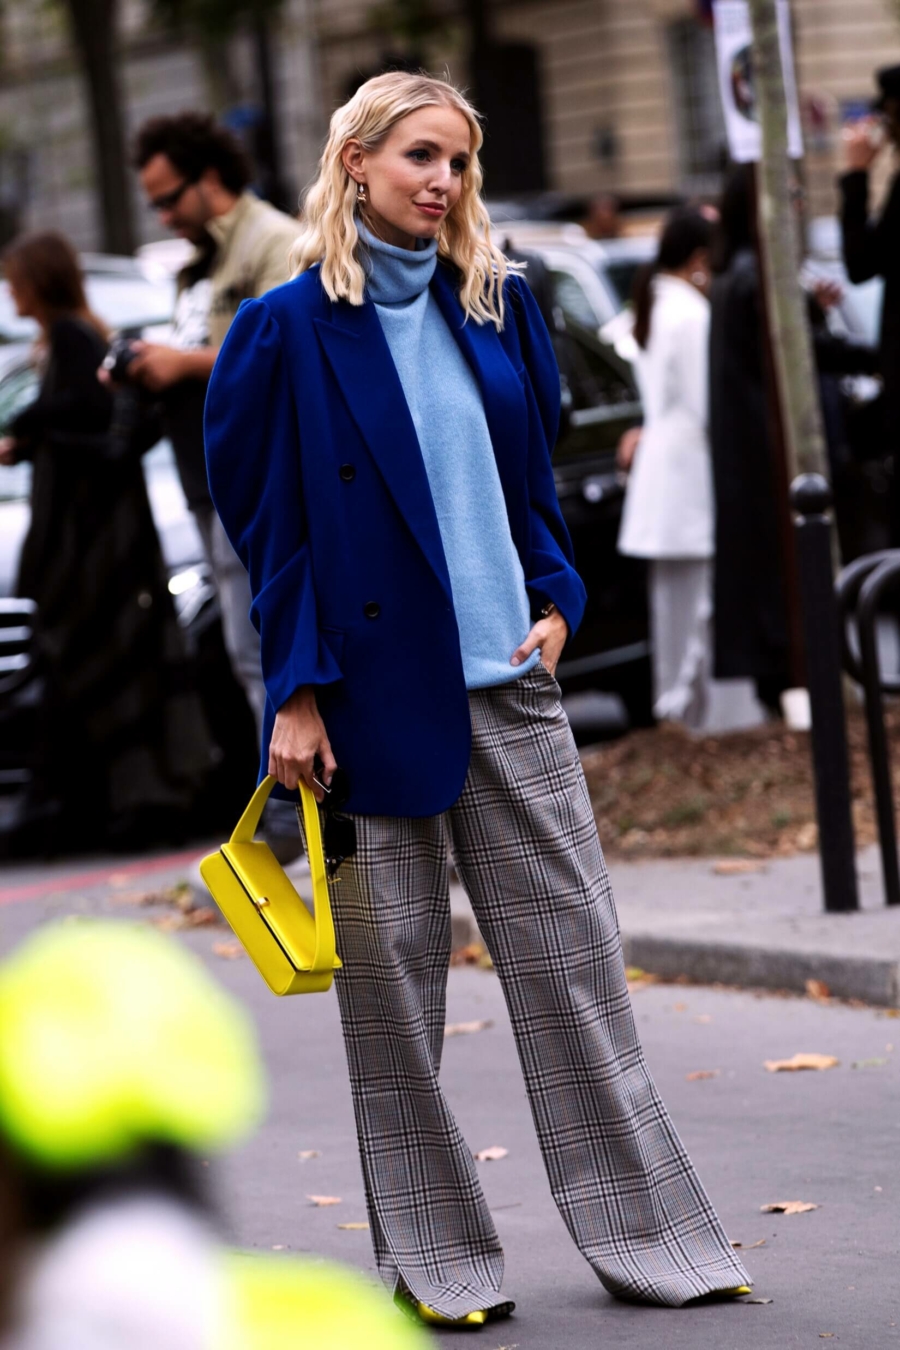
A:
x: 329, y: 234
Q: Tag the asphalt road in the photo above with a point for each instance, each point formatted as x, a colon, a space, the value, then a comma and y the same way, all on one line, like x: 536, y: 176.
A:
x: 831, y: 1138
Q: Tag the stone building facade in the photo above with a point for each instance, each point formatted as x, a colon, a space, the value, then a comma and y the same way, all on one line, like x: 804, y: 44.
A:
x: 628, y: 100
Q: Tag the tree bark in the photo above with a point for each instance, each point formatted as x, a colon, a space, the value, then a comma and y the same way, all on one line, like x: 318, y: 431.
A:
x: 780, y: 244
x: 93, y: 25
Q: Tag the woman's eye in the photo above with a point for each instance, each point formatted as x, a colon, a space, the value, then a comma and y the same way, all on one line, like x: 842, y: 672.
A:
x: 458, y: 165
x: 420, y: 156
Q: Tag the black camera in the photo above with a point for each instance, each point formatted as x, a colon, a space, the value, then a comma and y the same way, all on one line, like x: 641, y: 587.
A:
x: 119, y: 357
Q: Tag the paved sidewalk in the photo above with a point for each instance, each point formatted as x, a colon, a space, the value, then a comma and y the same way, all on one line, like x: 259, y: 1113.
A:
x: 761, y: 929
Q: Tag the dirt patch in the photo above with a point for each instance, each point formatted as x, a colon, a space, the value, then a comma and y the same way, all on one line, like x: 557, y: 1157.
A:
x: 662, y: 793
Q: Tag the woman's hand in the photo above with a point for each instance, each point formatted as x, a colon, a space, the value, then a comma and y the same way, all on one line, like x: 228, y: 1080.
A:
x: 550, y: 635
x: 627, y: 448
x: 863, y: 142
x: 298, y: 736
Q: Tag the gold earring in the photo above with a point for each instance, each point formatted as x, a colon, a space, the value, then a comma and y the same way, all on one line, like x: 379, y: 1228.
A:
x: 361, y: 197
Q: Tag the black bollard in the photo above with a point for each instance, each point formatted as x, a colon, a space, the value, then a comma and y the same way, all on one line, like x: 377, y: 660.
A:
x: 811, y: 498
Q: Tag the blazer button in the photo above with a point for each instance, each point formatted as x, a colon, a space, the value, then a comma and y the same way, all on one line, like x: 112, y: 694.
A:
x: 347, y: 472
x: 371, y: 609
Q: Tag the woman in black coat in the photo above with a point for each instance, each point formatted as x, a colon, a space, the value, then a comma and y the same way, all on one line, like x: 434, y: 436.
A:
x: 751, y: 618
x: 121, y: 743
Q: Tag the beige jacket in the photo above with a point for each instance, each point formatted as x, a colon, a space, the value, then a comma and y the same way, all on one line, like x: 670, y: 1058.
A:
x: 254, y: 242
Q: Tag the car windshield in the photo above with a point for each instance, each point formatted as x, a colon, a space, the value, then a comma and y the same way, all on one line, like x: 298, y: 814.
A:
x: 123, y: 299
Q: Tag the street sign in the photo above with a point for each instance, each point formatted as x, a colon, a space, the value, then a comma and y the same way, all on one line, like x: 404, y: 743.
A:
x: 734, y: 58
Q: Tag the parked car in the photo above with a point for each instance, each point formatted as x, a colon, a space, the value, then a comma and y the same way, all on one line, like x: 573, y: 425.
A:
x: 590, y: 283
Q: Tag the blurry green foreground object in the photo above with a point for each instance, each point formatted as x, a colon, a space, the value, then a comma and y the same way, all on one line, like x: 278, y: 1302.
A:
x: 112, y: 1036
x: 284, y: 1302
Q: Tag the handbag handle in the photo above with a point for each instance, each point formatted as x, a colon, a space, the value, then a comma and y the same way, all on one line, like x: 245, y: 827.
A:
x: 323, y: 958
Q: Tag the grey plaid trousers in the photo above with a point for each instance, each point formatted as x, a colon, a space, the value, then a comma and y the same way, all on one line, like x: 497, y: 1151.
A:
x: 526, y: 849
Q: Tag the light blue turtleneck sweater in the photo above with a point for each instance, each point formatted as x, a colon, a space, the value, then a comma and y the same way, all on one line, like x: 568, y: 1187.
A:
x: 489, y: 596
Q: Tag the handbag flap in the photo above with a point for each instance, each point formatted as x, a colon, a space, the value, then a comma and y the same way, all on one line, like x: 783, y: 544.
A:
x: 279, y: 905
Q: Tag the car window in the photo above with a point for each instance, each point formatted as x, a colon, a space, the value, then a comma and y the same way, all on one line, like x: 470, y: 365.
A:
x: 621, y: 275
x: 573, y: 299
x: 596, y: 376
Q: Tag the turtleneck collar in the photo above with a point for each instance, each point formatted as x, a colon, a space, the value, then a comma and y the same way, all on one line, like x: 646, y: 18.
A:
x: 394, y: 276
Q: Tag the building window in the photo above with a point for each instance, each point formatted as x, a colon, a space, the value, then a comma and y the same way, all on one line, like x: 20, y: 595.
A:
x: 700, y: 126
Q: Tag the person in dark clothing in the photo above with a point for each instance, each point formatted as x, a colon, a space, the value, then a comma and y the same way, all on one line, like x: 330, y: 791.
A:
x: 122, y: 745
x: 872, y: 248
x: 751, y: 633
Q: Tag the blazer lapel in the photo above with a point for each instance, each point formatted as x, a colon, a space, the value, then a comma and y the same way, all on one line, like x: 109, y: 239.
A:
x: 502, y: 396
x: 360, y: 358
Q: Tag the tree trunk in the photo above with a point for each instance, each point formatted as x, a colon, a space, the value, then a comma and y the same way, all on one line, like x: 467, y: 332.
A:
x: 93, y: 24
x: 779, y: 235
x: 267, y: 147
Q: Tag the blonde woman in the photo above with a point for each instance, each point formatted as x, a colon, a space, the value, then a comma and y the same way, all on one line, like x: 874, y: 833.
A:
x: 378, y: 435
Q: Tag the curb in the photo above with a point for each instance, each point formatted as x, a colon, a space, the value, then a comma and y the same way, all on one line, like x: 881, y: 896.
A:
x: 868, y: 978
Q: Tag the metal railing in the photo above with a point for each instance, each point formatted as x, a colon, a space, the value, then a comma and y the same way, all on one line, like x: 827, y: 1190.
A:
x: 862, y: 589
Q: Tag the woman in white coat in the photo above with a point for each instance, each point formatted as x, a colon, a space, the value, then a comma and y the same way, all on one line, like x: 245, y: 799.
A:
x: 668, y: 516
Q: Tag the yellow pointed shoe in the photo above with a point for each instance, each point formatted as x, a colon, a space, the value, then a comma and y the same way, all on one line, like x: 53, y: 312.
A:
x: 436, y: 1319
x: 718, y: 1296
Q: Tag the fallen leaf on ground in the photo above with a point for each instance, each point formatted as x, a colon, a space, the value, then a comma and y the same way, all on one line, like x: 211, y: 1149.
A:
x: 868, y: 1063
x: 701, y: 1073
x: 119, y: 879
x: 801, y: 1062
x: 180, y: 896
x: 466, y: 1028
x: 817, y: 989
x: 279, y: 1247
x: 353, y: 1227
x: 192, y: 918
x: 493, y: 1154
x: 757, y: 1300
x: 749, y: 1246
x: 733, y: 867
x: 475, y: 954
x: 892, y: 1012
x: 322, y: 1200
x: 308, y: 1153
x: 826, y: 1335
x: 703, y: 1019
x: 635, y: 978
x: 228, y: 951
x: 679, y: 1007
x: 787, y: 1207
x: 807, y: 837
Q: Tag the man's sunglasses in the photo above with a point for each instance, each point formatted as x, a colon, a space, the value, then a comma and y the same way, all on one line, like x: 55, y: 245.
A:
x: 167, y: 201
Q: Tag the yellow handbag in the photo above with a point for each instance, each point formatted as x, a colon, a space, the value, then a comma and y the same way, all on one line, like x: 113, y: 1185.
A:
x: 291, y: 948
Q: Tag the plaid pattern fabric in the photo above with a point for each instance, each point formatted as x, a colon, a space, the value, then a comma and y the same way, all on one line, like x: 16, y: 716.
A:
x: 526, y: 849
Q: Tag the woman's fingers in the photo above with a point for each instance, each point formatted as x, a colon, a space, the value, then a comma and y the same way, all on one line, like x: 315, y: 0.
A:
x: 329, y: 763
x: 524, y: 650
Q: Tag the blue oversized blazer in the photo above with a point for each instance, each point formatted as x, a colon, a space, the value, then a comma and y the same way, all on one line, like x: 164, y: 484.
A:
x: 316, y: 472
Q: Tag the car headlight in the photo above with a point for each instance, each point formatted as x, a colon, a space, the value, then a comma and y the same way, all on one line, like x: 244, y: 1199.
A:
x: 191, y: 588
x: 184, y: 581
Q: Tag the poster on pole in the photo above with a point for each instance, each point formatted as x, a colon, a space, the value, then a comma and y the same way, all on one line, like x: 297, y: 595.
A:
x: 734, y: 58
